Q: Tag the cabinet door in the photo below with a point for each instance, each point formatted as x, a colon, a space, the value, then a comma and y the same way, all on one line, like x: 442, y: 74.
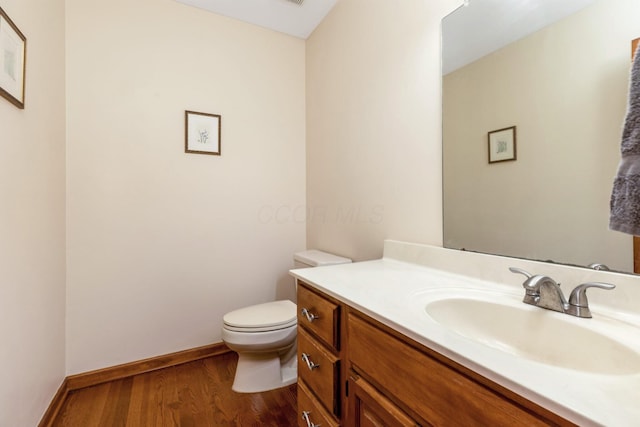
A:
x: 369, y: 408
x: 435, y: 392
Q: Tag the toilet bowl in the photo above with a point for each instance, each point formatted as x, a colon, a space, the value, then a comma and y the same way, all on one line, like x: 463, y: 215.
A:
x: 264, y: 336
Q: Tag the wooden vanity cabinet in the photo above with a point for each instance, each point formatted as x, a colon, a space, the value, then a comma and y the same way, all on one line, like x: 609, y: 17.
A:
x: 391, y: 380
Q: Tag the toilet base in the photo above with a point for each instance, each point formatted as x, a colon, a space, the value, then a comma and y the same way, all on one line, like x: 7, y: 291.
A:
x: 258, y: 372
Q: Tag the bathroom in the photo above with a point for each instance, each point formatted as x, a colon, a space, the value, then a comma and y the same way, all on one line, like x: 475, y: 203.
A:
x: 118, y: 246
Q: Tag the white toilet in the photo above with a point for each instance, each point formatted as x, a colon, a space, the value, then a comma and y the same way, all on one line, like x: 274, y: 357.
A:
x: 264, y: 336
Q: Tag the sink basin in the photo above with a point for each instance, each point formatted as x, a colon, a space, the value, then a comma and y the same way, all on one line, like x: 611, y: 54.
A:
x: 537, y: 334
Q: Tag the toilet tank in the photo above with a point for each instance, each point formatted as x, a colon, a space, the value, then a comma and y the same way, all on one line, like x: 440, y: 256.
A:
x: 316, y: 258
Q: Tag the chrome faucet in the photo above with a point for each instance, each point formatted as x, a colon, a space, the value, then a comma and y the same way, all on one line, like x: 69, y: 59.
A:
x: 544, y: 292
x: 599, y: 266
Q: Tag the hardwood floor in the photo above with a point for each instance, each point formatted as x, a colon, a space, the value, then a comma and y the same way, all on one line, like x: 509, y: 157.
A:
x: 194, y: 394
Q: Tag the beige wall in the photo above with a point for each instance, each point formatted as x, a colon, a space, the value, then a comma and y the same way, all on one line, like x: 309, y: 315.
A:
x: 565, y: 89
x: 32, y: 240
x: 163, y: 243
x: 160, y: 244
x: 373, y: 126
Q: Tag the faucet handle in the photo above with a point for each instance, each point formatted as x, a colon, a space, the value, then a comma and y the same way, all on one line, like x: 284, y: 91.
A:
x: 521, y: 271
x: 578, y: 302
x: 599, y: 266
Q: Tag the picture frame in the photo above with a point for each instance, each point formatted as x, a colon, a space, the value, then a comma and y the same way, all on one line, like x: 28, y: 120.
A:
x: 13, y: 54
x: 202, y: 133
x: 502, y: 145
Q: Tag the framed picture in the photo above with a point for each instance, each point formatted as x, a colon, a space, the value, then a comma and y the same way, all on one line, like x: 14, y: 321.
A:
x: 502, y: 145
x: 202, y: 133
x: 13, y: 48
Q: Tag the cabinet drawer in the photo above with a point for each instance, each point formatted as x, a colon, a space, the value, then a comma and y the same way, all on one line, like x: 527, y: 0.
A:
x: 435, y: 392
x: 323, y: 377
x: 314, y: 411
x: 322, y: 316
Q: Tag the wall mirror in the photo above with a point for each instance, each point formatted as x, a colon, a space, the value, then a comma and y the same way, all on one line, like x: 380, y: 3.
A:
x: 562, y: 82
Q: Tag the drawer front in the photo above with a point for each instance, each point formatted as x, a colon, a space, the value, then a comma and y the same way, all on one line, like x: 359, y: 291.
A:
x: 320, y: 316
x: 320, y: 370
x: 315, y: 414
x: 435, y: 392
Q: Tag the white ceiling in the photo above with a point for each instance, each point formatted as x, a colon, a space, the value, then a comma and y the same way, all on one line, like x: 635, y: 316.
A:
x: 483, y: 26
x: 280, y: 15
x: 469, y: 33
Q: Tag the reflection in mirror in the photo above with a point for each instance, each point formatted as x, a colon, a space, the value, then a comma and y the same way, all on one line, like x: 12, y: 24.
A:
x: 564, y: 86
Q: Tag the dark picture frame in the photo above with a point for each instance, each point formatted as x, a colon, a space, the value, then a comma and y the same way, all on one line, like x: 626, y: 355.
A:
x: 13, y: 55
x: 202, y: 133
x: 502, y: 145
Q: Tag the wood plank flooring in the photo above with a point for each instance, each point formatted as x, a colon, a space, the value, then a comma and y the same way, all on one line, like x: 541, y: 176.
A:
x: 194, y: 394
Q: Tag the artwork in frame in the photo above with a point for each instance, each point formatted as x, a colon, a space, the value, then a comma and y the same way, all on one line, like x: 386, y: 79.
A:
x: 502, y: 145
x: 13, y: 48
x: 202, y: 133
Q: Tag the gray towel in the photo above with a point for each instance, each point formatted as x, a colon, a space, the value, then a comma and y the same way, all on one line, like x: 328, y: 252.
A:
x: 625, y: 197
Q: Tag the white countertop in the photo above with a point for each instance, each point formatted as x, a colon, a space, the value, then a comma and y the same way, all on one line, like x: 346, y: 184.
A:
x: 387, y: 290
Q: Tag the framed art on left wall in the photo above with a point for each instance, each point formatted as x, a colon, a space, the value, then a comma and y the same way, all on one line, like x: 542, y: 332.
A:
x: 13, y: 49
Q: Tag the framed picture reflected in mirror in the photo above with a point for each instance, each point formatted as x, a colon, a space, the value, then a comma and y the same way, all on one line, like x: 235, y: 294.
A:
x: 502, y: 145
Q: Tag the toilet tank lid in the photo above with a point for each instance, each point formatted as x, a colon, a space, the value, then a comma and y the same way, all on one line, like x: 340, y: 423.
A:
x: 316, y: 258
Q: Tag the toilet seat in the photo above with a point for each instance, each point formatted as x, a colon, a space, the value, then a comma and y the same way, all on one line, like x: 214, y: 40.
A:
x: 265, y: 317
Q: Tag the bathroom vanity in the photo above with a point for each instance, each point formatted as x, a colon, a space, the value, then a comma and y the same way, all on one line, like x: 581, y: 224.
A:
x: 391, y: 380
x: 371, y: 352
